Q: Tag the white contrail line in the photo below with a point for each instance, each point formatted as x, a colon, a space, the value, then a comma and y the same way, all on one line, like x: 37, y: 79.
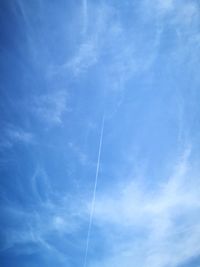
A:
x: 94, y: 193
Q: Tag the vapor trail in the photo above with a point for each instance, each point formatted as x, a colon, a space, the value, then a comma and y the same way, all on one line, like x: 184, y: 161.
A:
x: 94, y: 192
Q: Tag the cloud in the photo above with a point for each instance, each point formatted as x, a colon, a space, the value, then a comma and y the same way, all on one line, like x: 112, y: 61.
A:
x: 19, y: 135
x: 15, y: 135
x: 152, y: 227
x: 81, y: 155
x: 89, y: 50
x: 187, y: 14
x: 86, y: 57
x: 119, y: 52
x: 51, y: 107
x: 99, y: 26
x: 179, y: 12
x: 30, y: 229
x: 41, y: 188
x: 164, y: 6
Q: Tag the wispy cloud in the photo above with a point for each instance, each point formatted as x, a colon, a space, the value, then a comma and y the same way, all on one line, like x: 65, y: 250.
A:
x: 51, y: 107
x: 81, y: 155
x: 136, y: 55
x: 166, y: 218
x: 161, y: 6
x: 184, y: 12
x: 52, y: 214
x: 12, y: 135
x: 90, y: 48
x: 86, y: 57
x: 112, y: 47
x: 19, y: 135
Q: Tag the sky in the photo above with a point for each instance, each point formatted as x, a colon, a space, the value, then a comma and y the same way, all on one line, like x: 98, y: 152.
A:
x: 100, y: 130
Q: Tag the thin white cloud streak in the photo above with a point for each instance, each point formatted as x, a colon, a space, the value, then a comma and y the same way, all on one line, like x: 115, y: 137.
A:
x: 163, y: 221
x: 94, y: 193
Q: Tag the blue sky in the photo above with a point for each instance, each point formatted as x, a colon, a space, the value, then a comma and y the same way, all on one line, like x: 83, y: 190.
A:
x: 66, y: 65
